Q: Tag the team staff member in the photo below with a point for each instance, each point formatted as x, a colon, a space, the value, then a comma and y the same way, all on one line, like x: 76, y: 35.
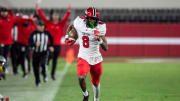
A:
x: 55, y: 27
x: 7, y: 21
x: 24, y: 29
x: 38, y: 41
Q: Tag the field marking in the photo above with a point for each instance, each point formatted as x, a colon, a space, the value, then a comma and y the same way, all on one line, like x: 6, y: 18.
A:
x: 60, y: 80
x: 145, y: 60
x: 19, y: 89
x: 140, y: 40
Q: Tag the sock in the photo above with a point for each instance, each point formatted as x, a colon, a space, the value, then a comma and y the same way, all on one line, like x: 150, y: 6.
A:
x: 96, y: 90
x: 85, y: 93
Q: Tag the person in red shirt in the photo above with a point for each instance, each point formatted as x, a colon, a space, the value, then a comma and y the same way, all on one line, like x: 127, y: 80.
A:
x: 7, y: 21
x: 21, y: 49
x: 55, y: 26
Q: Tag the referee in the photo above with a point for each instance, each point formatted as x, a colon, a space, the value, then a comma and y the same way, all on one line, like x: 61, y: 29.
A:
x: 38, y: 41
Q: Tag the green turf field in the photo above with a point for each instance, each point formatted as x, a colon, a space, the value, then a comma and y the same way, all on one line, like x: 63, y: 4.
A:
x: 119, y: 82
x: 128, y: 82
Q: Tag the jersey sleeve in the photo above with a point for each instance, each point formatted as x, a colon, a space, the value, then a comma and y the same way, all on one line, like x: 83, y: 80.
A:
x: 21, y: 20
x: 102, y: 30
x: 76, y: 22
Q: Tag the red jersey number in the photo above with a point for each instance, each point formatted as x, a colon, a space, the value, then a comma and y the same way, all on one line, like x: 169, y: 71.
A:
x: 85, y: 41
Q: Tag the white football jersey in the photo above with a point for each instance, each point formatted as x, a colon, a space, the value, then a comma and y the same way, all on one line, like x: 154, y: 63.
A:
x: 89, y: 46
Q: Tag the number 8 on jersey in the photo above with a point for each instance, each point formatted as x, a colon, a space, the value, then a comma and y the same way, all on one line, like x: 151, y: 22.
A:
x: 85, y: 41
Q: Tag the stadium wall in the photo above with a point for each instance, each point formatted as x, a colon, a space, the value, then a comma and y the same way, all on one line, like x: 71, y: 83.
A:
x: 140, y: 40
x: 97, y: 3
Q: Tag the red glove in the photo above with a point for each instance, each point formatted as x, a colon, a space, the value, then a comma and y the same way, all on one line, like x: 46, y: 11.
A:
x: 69, y: 42
x: 96, y: 34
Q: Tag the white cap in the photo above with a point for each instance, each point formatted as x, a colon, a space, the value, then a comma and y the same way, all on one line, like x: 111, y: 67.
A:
x: 25, y: 16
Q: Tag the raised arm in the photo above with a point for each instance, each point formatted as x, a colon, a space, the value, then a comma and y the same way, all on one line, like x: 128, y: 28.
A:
x: 21, y: 20
x: 66, y: 16
x: 11, y: 13
x: 41, y: 14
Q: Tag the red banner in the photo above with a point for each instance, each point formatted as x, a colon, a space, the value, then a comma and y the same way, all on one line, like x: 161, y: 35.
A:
x: 141, y: 40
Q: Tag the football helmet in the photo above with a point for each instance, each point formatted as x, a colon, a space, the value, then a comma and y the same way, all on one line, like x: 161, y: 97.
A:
x: 2, y: 67
x: 92, y: 13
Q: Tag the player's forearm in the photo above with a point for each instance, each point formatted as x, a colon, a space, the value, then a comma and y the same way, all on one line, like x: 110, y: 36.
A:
x: 103, y: 44
x: 66, y: 17
x: 42, y: 15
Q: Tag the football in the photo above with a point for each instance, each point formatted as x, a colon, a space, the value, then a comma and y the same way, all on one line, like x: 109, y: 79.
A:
x: 72, y: 35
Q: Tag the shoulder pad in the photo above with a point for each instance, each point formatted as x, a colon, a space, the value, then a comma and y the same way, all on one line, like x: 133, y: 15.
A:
x: 82, y: 17
x: 100, y: 22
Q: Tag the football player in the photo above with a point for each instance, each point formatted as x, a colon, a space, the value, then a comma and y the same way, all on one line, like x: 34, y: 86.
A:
x: 91, y: 34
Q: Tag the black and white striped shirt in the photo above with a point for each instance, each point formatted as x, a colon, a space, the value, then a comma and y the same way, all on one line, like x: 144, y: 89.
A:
x: 41, y: 37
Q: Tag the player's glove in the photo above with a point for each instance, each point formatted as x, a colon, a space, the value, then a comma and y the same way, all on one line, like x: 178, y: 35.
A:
x: 96, y: 34
x: 69, y: 41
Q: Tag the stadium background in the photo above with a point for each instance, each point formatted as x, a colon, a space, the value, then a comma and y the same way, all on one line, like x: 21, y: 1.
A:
x: 149, y: 27
x: 136, y: 28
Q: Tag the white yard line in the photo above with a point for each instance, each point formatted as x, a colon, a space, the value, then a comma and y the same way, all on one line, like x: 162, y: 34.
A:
x: 63, y: 73
x: 19, y: 89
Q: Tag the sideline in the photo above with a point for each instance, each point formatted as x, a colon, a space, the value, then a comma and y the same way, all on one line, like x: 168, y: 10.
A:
x: 19, y: 89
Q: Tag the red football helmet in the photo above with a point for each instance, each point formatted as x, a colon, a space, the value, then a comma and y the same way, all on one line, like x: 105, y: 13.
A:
x: 92, y: 12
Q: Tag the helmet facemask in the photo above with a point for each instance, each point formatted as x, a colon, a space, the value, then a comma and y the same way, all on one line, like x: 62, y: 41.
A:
x: 92, y: 22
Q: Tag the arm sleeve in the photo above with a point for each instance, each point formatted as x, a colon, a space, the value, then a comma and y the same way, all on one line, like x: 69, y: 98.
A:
x: 50, y: 39
x: 11, y: 13
x: 30, y: 41
x: 64, y: 20
x: 76, y: 22
x: 43, y: 17
x: 102, y: 30
x: 21, y: 20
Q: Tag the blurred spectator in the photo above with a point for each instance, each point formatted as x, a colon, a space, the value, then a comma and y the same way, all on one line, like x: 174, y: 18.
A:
x: 20, y: 49
x: 7, y: 21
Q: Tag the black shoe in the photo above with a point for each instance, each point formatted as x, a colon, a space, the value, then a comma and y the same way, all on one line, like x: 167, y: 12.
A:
x: 45, y: 79
x: 37, y: 84
x: 3, y: 77
x: 15, y: 73
x: 53, y: 77
x: 24, y: 75
x: 86, y: 97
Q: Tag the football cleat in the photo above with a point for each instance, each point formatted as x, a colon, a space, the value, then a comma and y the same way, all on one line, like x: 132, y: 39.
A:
x: 53, y: 77
x: 45, y: 79
x: 86, y: 98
